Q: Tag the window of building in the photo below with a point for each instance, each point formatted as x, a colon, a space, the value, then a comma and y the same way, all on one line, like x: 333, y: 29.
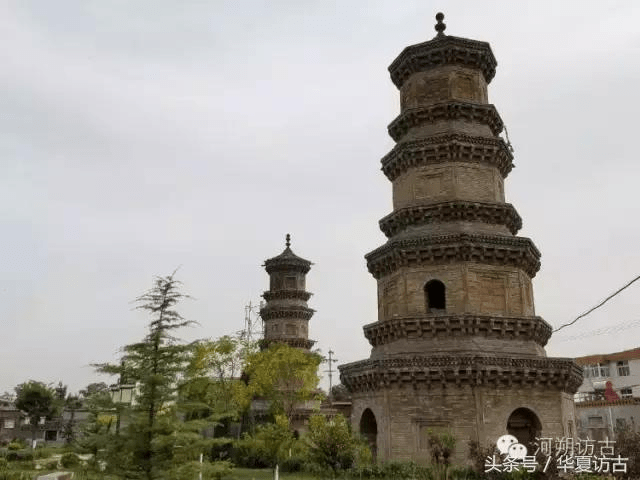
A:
x: 586, y: 371
x: 290, y: 283
x: 598, y: 370
x: 583, y: 397
x: 9, y: 423
x: 596, y: 422
x: 42, y: 420
x: 621, y: 424
x: 26, y: 421
x: 434, y: 293
x: 626, y: 392
x: 623, y: 368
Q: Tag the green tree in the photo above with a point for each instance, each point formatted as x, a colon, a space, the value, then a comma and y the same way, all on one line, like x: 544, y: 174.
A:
x: 285, y: 376
x: 340, y: 393
x: 146, y: 447
x: 72, y: 404
x: 96, y: 432
x: 213, y: 385
x: 37, y: 401
x: 92, y: 389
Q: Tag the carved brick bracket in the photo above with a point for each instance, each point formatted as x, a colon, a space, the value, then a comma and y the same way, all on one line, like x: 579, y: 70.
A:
x: 371, y: 375
x: 491, y: 213
x: 270, y: 313
x: 287, y: 264
x: 457, y: 325
x: 445, y: 149
x: 445, y: 50
x: 517, y: 252
x: 292, y: 342
x: 452, y: 110
x: 286, y: 295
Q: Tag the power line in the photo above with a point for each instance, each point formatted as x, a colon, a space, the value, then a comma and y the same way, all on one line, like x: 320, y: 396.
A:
x: 597, y: 306
x: 603, y: 331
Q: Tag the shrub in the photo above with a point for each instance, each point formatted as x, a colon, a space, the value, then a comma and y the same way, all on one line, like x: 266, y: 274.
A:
x: 222, y: 449
x: 44, y: 452
x: 331, y: 442
x: 209, y: 470
x: 628, y: 446
x: 13, y: 446
x: 13, y: 475
x: 51, y: 465
x: 249, y: 453
x: 69, y: 460
x: 19, y: 455
x: 3, y: 463
x: 396, y: 469
x: 265, y: 448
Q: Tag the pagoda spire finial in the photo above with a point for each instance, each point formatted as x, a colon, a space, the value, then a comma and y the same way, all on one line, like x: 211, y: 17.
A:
x: 440, y: 26
x: 288, y: 240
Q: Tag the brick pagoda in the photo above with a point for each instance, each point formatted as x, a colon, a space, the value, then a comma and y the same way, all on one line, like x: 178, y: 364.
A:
x: 286, y: 314
x: 457, y: 346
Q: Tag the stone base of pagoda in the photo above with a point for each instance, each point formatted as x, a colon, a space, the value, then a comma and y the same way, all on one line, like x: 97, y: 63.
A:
x: 404, y: 416
x: 397, y: 401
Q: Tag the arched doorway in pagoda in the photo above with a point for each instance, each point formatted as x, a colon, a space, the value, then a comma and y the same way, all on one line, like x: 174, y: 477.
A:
x: 369, y: 430
x: 524, y: 425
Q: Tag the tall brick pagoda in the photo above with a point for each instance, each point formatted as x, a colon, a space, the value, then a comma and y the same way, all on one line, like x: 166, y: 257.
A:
x: 286, y: 314
x: 457, y: 345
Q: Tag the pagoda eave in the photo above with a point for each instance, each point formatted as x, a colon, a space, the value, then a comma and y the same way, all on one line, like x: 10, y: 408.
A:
x: 450, y: 371
x: 517, y: 252
x: 447, y: 148
x: 490, y: 213
x: 484, y: 114
x: 291, y: 342
x: 286, y: 295
x: 457, y: 325
x: 285, y: 311
x: 443, y: 50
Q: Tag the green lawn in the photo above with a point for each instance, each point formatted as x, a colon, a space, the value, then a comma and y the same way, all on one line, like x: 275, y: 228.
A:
x: 265, y: 474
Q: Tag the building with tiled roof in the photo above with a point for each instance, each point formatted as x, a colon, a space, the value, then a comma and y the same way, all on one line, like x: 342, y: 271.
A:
x: 609, y: 397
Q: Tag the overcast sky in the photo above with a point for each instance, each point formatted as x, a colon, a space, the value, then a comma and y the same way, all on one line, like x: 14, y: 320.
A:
x: 136, y: 137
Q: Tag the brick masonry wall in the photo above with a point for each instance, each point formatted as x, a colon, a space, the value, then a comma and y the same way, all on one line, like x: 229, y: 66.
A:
x: 470, y: 413
x: 443, y: 84
x: 454, y: 181
x: 470, y: 288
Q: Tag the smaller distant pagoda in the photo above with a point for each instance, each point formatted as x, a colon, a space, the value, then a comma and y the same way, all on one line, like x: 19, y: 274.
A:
x: 286, y: 314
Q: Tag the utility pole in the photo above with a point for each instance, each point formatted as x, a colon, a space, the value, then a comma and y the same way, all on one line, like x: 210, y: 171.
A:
x: 330, y: 360
x: 252, y: 327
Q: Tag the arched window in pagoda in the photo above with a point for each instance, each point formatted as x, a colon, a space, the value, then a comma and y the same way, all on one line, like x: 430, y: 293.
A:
x: 434, y: 293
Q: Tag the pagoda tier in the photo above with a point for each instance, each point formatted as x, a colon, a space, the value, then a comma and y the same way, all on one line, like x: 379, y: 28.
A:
x: 286, y: 314
x: 447, y: 147
x: 460, y: 370
x: 452, y: 211
x: 457, y: 344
